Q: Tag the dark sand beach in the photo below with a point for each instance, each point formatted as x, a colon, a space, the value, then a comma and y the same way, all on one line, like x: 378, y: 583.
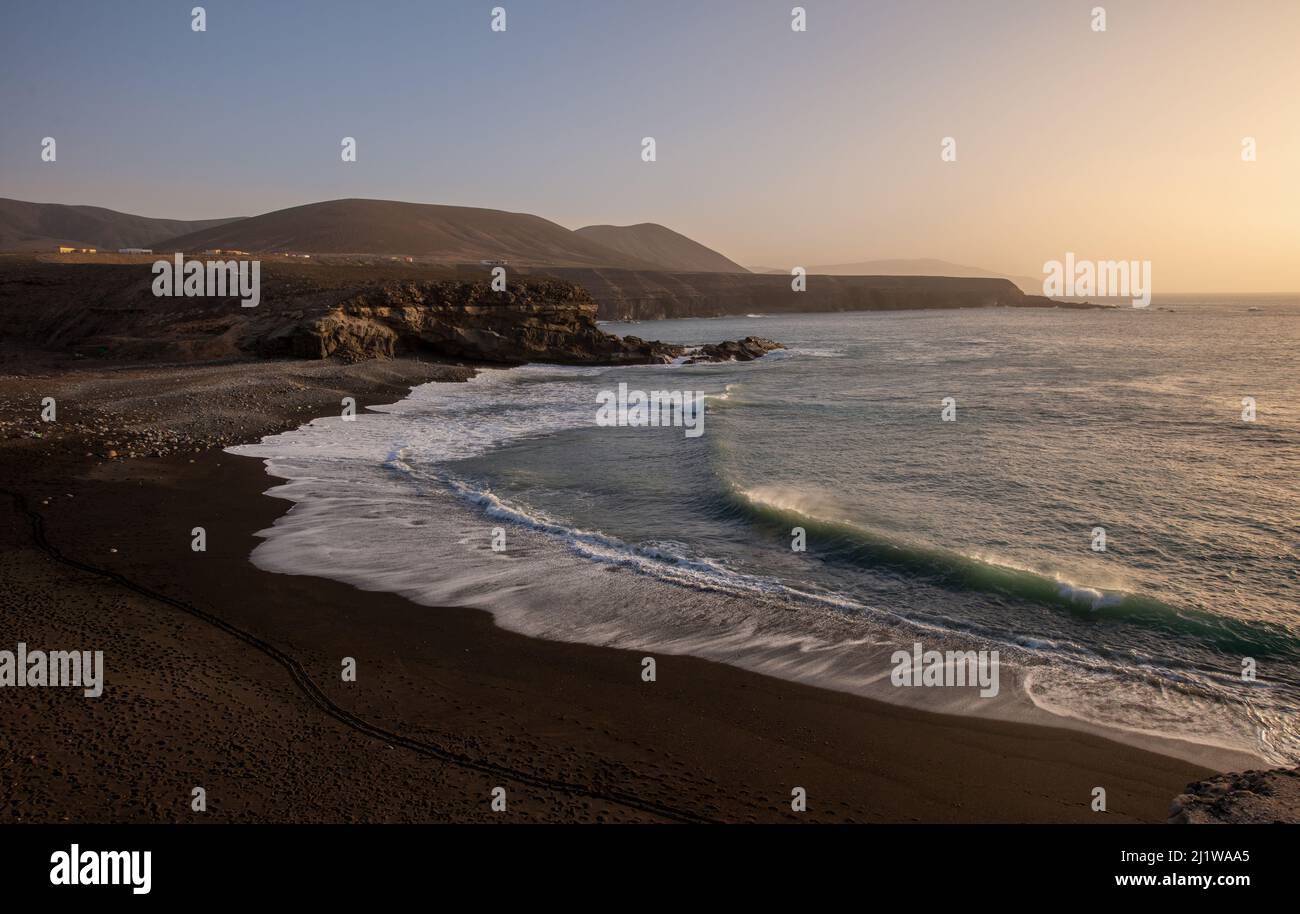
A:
x: 222, y: 676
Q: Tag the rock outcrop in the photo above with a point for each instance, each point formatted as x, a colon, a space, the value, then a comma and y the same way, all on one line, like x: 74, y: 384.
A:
x: 348, y: 313
x: 746, y: 350
x: 531, y: 321
x: 1246, y: 796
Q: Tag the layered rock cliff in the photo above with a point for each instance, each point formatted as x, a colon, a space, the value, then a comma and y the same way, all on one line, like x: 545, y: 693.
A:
x: 530, y: 321
x: 645, y: 295
x: 315, y: 312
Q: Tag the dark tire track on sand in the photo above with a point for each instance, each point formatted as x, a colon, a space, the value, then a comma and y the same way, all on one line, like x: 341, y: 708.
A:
x: 313, y: 692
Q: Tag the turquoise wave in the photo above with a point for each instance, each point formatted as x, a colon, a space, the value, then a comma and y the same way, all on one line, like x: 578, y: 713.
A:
x: 849, y: 543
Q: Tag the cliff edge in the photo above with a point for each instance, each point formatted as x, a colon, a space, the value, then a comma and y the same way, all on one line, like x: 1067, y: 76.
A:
x: 110, y: 311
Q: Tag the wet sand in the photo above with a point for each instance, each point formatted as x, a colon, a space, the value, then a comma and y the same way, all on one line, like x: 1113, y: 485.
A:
x: 225, y: 677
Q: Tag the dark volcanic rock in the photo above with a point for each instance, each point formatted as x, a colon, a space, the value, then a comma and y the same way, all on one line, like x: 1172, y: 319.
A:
x: 646, y: 295
x: 533, y: 321
x: 348, y: 313
x: 746, y: 350
x: 1246, y: 796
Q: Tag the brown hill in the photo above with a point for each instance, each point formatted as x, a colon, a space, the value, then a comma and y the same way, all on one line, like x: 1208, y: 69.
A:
x: 43, y: 226
x: 447, y: 234
x: 662, y: 246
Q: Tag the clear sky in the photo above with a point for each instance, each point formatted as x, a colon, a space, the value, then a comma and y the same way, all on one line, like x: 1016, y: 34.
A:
x: 777, y: 148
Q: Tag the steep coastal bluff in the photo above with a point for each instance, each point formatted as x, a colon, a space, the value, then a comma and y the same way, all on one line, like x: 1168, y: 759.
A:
x: 647, y: 295
x: 530, y: 321
x: 109, y: 310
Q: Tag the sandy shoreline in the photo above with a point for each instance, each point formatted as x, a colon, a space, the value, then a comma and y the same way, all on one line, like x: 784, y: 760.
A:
x: 446, y: 705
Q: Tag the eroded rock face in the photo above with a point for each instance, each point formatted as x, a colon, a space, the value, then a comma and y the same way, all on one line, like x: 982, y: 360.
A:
x: 536, y: 321
x: 350, y: 313
x: 1246, y: 796
x: 644, y: 295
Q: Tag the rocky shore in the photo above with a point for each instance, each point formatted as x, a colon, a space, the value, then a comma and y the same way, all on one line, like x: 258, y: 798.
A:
x: 1251, y: 797
x: 533, y: 321
x: 179, y: 410
x: 147, y: 391
x: 115, y: 359
x: 108, y: 311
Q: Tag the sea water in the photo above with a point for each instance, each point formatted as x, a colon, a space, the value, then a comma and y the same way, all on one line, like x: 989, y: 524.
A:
x: 978, y: 533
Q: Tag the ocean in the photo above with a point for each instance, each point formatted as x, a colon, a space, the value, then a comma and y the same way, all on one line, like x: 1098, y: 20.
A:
x: 979, y: 533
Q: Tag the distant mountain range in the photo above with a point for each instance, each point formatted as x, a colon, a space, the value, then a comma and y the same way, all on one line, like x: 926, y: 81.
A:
x: 43, y: 226
x: 444, y: 234
x: 447, y: 234
x: 450, y: 234
x: 922, y: 266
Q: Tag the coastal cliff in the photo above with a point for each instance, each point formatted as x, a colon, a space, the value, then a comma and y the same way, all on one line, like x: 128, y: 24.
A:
x: 346, y: 313
x: 645, y: 295
x: 530, y: 321
x: 361, y: 308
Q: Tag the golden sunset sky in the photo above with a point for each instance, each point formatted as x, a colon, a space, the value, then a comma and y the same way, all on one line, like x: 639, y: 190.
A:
x: 776, y: 148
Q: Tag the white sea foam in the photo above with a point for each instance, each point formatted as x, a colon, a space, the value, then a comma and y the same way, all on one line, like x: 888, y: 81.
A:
x: 1088, y: 596
x: 371, y: 508
x: 446, y: 421
x: 661, y: 562
x: 806, y: 351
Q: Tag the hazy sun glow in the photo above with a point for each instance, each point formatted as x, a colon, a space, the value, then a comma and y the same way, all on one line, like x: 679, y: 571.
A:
x: 775, y: 148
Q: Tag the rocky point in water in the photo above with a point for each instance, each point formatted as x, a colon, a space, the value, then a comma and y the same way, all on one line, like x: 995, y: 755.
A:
x: 746, y: 350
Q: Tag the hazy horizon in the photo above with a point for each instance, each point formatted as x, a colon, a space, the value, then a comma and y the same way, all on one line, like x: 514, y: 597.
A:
x: 774, y: 148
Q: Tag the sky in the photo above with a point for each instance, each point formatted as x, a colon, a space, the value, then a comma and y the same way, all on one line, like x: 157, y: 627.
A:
x: 775, y: 147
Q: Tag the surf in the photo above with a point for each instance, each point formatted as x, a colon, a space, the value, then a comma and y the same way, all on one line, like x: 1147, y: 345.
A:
x: 775, y: 512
